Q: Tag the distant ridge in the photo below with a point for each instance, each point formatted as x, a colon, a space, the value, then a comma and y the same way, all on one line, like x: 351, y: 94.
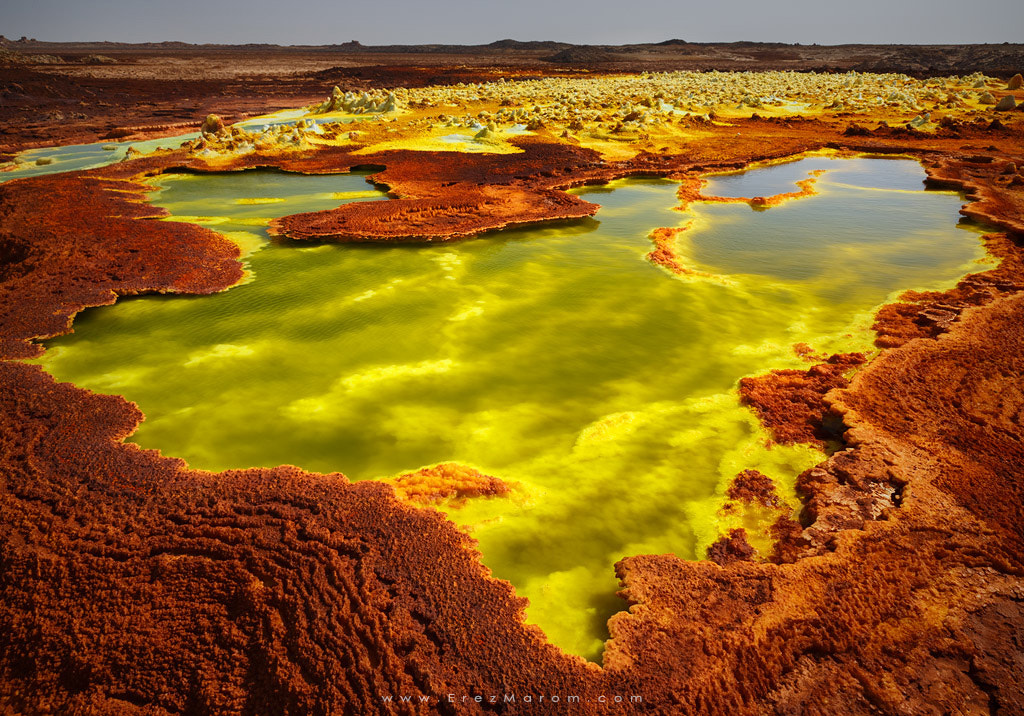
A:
x: 583, y: 55
x: 529, y: 45
x: 505, y: 44
x: 1001, y: 59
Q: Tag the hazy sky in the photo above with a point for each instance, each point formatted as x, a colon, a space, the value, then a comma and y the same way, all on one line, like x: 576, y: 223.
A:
x: 482, y: 21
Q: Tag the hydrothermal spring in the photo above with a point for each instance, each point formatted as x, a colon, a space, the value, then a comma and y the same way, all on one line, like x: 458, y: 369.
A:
x: 555, y: 357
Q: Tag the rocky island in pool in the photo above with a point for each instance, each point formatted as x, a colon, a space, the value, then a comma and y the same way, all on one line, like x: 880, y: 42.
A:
x: 700, y: 390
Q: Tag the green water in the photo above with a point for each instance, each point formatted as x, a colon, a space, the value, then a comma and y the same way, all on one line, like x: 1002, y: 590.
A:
x: 557, y: 358
x: 782, y: 177
x: 72, y: 157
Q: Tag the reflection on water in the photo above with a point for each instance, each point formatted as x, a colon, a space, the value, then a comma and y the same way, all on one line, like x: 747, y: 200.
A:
x: 782, y: 177
x: 74, y: 157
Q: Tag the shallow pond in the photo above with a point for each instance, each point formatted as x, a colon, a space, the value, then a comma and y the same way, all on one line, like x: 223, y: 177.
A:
x: 556, y: 357
x: 74, y: 157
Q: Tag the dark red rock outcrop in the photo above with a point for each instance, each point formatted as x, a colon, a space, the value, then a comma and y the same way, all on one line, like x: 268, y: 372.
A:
x: 731, y: 548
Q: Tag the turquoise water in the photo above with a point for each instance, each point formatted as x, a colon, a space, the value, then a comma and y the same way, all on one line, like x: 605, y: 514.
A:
x: 74, y: 157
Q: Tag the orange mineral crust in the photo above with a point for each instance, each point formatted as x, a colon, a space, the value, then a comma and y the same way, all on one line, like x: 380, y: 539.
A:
x: 447, y: 482
x: 791, y: 403
x: 751, y: 486
x: 131, y: 580
x: 72, y: 241
x: 133, y: 584
x: 439, y: 198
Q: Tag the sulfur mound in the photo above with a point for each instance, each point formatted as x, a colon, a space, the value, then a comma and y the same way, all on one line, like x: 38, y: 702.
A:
x: 212, y: 125
x: 1006, y: 104
x: 446, y: 482
x: 361, y: 103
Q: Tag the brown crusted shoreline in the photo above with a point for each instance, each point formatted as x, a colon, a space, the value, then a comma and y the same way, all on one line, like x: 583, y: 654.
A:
x: 73, y: 241
x: 135, y: 585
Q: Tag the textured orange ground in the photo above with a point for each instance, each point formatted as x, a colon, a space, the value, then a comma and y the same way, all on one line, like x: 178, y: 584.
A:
x: 791, y: 403
x: 132, y: 584
x: 489, y: 191
x: 77, y: 240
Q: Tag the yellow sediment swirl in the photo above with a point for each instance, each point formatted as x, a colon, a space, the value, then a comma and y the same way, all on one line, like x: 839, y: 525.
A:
x: 558, y: 359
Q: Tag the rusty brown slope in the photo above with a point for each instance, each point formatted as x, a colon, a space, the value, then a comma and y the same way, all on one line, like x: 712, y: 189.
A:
x: 131, y: 584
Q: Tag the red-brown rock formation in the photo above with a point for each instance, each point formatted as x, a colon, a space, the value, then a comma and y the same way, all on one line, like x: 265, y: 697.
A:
x: 753, y: 487
x: 791, y: 403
